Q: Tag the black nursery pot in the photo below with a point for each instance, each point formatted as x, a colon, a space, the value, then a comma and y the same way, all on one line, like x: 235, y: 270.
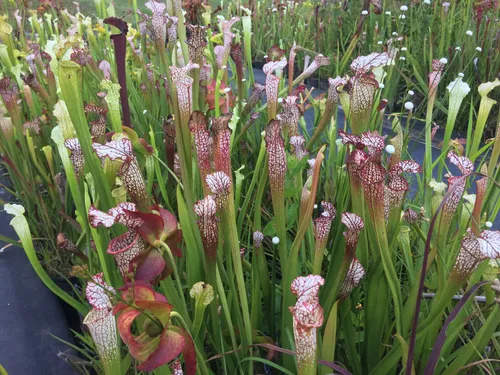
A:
x: 73, y: 318
x: 258, y: 64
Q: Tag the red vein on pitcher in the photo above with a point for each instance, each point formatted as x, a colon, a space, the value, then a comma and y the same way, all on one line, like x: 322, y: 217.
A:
x: 307, y: 318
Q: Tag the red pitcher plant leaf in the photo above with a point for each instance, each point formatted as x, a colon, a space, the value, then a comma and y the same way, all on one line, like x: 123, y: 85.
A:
x: 258, y: 237
x: 318, y: 62
x: 176, y: 368
x: 237, y: 56
x: 310, y: 164
x: 198, y: 124
x: 468, y: 258
x: 143, y: 345
x: 255, y: 96
x: 354, y: 226
x: 435, y: 76
x: 64, y: 243
x: 126, y: 248
x: 222, y: 144
x: 372, y: 175
x: 362, y: 92
x: 120, y: 44
x: 382, y: 105
x: 405, y: 166
x: 159, y: 25
x: 150, y: 265
x: 76, y: 157
x: 183, y: 84
x: 299, y: 90
x: 307, y: 318
x: 115, y: 150
x: 98, y: 292
x: 32, y: 81
x: 290, y: 115
x: 272, y: 84
x: 377, y: 6
x: 105, y: 68
x: 196, y: 41
x: 275, y: 145
x: 102, y: 327
x: 273, y: 66
x: 275, y: 53
x: 142, y: 291
x: 291, y: 66
x: 322, y: 226
x: 364, y: 64
x: 298, y: 142
x: 362, y: 89
x: 170, y: 345
x: 474, y: 250
x: 305, y: 196
x: 158, y: 342
x: 323, y: 223
x: 101, y: 322
x: 351, y: 139
x: 9, y: 93
x: 158, y: 20
x: 81, y: 57
x: 97, y: 127
x: 171, y: 233
x: 206, y: 209
x: 188, y: 352
x: 411, y: 216
x: 159, y: 226
x: 463, y: 163
x: 397, y: 185
x: 93, y: 108
x: 32, y: 128
x: 222, y: 52
x: 490, y: 243
x: 354, y: 275
x: 129, y: 171
x: 219, y: 184
x: 151, y: 227
x: 177, y: 166
x: 169, y: 139
x: 450, y: 206
x: 334, y: 86
x: 130, y: 249
x: 118, y: 214
x: 355, y: 160
x: 374, y: 142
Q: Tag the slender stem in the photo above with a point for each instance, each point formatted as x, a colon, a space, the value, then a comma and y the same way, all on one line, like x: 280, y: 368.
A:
x: 199, y: 355
x: 176, y: 273
x: 225, y: 310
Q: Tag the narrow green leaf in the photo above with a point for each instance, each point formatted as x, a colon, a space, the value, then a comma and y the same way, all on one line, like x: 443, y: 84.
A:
x: 193, y: 254
x: 329, y: 338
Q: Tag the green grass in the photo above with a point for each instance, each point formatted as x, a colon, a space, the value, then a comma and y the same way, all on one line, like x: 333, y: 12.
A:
x: 87, y: 7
